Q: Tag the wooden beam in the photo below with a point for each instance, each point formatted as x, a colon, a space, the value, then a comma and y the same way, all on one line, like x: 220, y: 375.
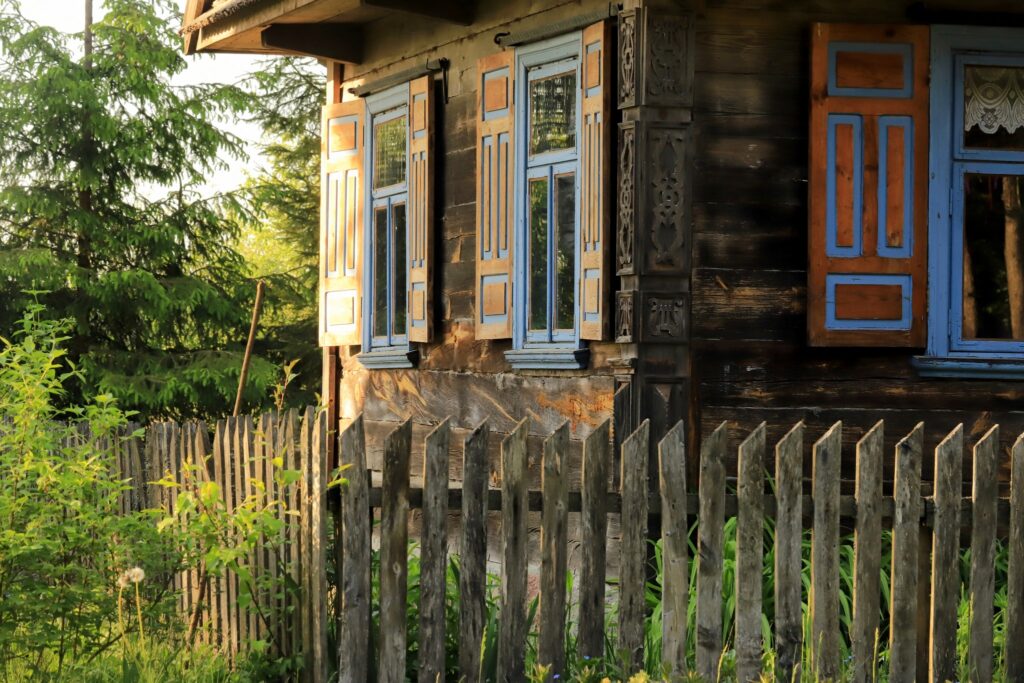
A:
x: 454, y: 11
x: 336, y: 42
x: 192, y: 11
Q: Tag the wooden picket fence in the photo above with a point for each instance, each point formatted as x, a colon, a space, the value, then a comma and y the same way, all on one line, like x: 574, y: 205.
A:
x: 924, y: 596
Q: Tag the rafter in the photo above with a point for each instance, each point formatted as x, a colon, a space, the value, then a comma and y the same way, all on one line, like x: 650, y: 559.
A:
x: 337, y: 42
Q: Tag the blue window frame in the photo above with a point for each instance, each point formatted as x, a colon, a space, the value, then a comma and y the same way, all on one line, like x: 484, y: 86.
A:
x: 959, y: 344
x: 546, y: 327
x: 386, y: 269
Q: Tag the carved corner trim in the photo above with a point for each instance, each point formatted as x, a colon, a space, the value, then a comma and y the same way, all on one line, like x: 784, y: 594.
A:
x: 624, y: 316
x: 666, y: 317
x: 627, y: 201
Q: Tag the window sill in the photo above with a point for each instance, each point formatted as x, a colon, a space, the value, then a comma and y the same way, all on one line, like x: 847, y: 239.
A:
x: 388, y: 358
x: 548, y: 358
x: 939, y: 366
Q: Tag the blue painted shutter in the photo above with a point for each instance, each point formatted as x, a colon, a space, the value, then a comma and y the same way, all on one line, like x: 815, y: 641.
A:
x: 421, y: 208
x: 341, y: 224
x: 495, y: 187
x: 868, y: 192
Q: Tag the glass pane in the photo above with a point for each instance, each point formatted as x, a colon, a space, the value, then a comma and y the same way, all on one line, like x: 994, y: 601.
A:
x: 993, y: 273
x: 565, y: 251
x: 398, y: 242
x: 994, y: 107
x: 539, y: 254
x: 553, y: 113
x: 389, y: 152
x: 380, y: 271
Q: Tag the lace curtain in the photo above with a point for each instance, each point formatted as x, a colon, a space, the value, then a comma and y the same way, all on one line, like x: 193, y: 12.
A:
x: 994, y: 98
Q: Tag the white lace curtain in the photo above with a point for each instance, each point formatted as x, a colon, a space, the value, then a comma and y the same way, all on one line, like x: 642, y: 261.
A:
x: 994, y: 98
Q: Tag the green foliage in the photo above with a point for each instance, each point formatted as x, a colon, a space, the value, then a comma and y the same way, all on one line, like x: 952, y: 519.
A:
x: 102, y: 208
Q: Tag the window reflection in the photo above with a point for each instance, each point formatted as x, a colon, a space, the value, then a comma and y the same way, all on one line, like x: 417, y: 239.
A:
x: 565, y: 250
x: 553, y: 113
x: 398, y: 242
x: 389, y: 152
x: 380, y: 271
x: 539, y: 254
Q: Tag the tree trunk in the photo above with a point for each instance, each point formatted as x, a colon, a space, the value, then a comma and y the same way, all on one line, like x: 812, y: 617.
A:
x: 1013, y: 252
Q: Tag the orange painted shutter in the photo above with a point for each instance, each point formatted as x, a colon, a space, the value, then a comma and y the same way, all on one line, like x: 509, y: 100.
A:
x: 595, y: 175
x: 341, y: 224
x: 421, y: 208
x: 494, y: 195
x: 868, y: 196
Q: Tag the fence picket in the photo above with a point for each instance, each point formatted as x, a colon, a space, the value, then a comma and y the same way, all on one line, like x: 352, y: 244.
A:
x: 789, y: 453
x: 709, y: 548
x: 825, y: 555
x: 984, y: 498
x: 632, y: 565
x: 749, y: 555
x: 218, y: 594
x: 945, y: 556
x: 867, y: 553
x: 512, y: 631
x: 554, y: 549
x: 903, y: 631
x: 316, y: 554
x: 296, y: 616
x: 593, y: 535
x: 354, y: 628
x: 394, y: 541
x: 674, y: 552
x: 433, y: 554
x: 1015, y: 572
x: 249, y: 456
x: 473, y: 555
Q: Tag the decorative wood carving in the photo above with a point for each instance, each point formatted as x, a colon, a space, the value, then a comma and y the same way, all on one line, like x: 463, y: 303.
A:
x: 627, y: 59
x: 667, y: 241
x: 624, y: 325
x: 667, y: 60
x: 626, y: 230
x: 665, y: 317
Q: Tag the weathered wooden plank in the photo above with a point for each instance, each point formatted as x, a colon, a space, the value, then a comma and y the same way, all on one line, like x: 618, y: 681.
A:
x: 250, y: 454
x: 622, y: 420
x: 709, y: 548
x: 266, y: 442
x: 218, y: 591
x: 750, y: 555
x: 867, y: 554
x: 554, y: 550
x: 674, y: 552
x: 984, y: 496
x: 473, y: 552
x: 903, y: 587
x: 223, y: 435
x: 632, y: 565
x: 789, y: 453
x: 1015, y: 572
x: 308, y: 601
x: 433, y: 554
x: 394, y: 551
x: 281, y: 445
x: 294, y: 542
x: 593, y: 538
x: 945, y: 556
x: 512, y: 631
x: 319, y: 453
x: 354, y: 626
x: 824, y: 602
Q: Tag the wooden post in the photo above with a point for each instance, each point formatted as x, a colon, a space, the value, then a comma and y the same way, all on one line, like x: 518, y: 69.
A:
x: 750, y: 555
x: 512, y: 631
x: 554, y: 548
x: 594, y: 532
x: 709, y: 549
x: 825, y: 555
x: 632, y: 575
x: 354, y: 628
x: 984, y: 499
x: 394, y: 553
x: 1015, y: 589
x: 789, y: 458
x: 473, y: 567
x: 946, y: 556
x: 867, y: 553
x: 674, y: 552
x: 903, y: 629
x: 433, y: 554
x: 243, y: 375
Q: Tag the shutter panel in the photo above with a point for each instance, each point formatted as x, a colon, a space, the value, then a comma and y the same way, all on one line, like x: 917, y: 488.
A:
x: 867, y: 264
x: 494, y: 195
x: 595, y: 176
x: 421, y: 208
x: 341, y: 224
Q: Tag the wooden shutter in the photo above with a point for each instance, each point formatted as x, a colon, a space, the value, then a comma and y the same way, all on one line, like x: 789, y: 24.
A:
x: 495, y: 189
x: 421, y: 208
x: 595, y: 176
x: 868, y: 200
x: 341, y: 223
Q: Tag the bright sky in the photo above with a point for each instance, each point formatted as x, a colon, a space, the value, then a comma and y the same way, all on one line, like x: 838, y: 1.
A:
x: 68, y: 16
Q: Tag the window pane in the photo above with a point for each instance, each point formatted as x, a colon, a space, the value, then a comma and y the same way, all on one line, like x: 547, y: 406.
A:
x: 565, y: 251
x: 380, y: 271
x: 553, y: 113
x: 389, y: 152
x: 994, y: 107
x: 539, y: 254
x: 993, y: 272
x: 399, y: 246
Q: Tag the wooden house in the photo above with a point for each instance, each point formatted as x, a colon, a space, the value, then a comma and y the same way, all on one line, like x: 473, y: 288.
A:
x: 707, y: 210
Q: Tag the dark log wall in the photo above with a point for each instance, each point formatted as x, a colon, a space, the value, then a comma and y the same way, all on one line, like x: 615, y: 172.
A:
x: 751, y: 360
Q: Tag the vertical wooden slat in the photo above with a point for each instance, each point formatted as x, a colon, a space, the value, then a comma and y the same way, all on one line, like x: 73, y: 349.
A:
x: 281, y: 441
x: 593, y: 532
x: 294, y: 543
x: 825, y: 554
x: 218, y: 594
x: 946, y: 556
x: 554, y: 539
x: 622, y: 416
x: 354, y: 627
x: 674, y: 552
x: 394, y: 553
x: 249, y: 462
x: 319, y: 445
x: 1015, y: 572
x: 310, y: 600
x: 750, y: 555
x: 433, y: 554
x: 867, y: 553
x: 789, y: 457
x: 268, y: 440
x: 984, y: 498
x: 512, y: 630
x: 709, y: 548
x: 632, y: 569
x: 906, y: 525
x: 473, y: 553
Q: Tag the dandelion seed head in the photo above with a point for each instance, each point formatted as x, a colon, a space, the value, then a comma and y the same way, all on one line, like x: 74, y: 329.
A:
x: 136, y: 574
